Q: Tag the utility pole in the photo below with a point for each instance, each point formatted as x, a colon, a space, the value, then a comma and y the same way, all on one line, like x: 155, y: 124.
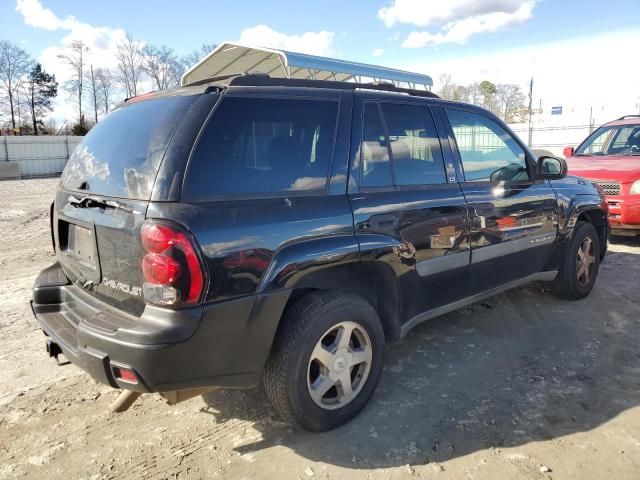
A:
x: 530, y: 113
x: 539, y: 111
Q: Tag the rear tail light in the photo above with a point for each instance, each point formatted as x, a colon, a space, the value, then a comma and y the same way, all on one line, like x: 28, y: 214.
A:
x: 171, y: 267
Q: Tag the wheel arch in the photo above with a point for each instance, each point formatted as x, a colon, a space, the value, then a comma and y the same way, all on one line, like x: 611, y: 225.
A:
x: 598, y: 218
x: 585, y: 208
x: 373, y: 281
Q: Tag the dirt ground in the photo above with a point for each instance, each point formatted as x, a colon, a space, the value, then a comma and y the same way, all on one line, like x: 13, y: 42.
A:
x: 521, y: 386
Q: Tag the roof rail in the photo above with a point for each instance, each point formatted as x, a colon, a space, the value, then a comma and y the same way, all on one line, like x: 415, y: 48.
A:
x: 624, y: 117
x: 262, y: 80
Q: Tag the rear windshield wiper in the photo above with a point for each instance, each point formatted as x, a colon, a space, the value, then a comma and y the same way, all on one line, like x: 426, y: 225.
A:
x: 91, y: 201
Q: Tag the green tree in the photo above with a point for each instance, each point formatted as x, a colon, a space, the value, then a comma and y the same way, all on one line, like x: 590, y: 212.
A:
x: 81, y: 128
x: 42, y: 88
x: 488, y: 94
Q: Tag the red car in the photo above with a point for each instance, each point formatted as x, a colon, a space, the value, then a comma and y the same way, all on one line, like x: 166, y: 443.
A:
x: 610, y: 156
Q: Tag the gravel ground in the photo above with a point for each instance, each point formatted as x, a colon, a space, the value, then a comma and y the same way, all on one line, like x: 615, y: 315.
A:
x: 521, y: 386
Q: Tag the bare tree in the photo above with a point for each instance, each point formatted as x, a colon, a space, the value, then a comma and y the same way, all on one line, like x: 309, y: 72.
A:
x: 447, y: 86
x: 162, y: 65
x: 473, y: 91
x: 75, y: 58
x: 15, y: 64
x: 92, y: 85
x: 511, y: 99
x: 105, y: 86
x: 190, y: 59
x: 460, y: 93
x: 130, y: 58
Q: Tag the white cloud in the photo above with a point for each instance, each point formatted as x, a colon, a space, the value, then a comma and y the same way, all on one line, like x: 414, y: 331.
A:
x: 455, y: 20
x: 459, y: 31
x: 378, y: 52
x: 565, y: 72
x: 315, y: 43
x: 428, y: 12
x: 36, y: 15
x: 101, y: 43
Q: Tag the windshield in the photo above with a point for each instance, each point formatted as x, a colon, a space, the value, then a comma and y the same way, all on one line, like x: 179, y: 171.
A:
x: 613, y: 140
x: 121, y: 155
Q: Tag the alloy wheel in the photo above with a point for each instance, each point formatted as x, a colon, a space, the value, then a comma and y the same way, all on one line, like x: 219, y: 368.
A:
x: 339, y: 365
x: 585, y: 262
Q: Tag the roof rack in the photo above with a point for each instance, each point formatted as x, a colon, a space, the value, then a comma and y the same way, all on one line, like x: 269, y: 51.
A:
x: 624, y: 117
x: 262, y: 80
x: 233, y: 58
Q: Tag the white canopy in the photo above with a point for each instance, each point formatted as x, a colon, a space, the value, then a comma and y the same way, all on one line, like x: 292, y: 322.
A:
x: 232, y: 58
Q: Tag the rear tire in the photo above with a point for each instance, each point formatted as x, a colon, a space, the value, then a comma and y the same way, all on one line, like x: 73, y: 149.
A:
x: 326, y: 360
x: 579, y: 268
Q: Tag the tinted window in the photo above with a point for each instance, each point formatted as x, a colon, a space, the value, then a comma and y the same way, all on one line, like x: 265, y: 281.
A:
x: 488, y: 152
x: 121, y: 155
x: 262, y: 145
x: 415, y: 148
x: 376, y: 169
x: 614, y: 140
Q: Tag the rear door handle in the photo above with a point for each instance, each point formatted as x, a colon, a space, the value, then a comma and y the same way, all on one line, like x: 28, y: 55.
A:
x: 384, y: 220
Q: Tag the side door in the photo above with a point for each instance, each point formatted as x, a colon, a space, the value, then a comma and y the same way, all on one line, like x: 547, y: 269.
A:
x: 513, y: 215
x: 406, y: 213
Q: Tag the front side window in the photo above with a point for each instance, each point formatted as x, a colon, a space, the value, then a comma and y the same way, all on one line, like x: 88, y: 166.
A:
x: 614, y: 140
x: 264, y: 146
x: 487, y: 151
x: 415, y: 148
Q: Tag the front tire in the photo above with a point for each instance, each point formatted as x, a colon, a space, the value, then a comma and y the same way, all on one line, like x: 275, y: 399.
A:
x: 326, y: 360
x: 579, y: 269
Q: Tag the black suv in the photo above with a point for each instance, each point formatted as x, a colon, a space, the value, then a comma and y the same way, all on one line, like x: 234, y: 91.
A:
x: 279, y: 230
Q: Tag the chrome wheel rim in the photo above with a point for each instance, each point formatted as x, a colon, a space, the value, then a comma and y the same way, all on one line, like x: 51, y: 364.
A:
x: 585, y: 262
x: 339, y: 365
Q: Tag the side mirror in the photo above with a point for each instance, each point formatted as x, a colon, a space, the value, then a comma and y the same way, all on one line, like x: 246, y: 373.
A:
x: 552, y: 168
x: 568, y: 152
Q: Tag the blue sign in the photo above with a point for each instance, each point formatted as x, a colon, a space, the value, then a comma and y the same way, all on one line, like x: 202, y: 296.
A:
x: 556, y: 110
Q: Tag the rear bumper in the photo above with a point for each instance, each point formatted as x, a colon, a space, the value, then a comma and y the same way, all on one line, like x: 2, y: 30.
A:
x: 624, y: 212
x: 219, y: 345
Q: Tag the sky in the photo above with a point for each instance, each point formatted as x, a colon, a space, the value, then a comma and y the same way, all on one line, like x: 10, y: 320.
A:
x: 581, y: 53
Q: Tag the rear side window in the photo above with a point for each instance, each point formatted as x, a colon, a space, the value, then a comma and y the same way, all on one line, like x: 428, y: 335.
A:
x: 416, y: 156
x: 376, y: 167
x: 121, y: 155
x: 415, y: 148
x: 263, y: 145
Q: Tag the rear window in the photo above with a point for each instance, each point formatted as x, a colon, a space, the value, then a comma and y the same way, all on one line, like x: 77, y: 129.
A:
x: 262, y: 146
x: 120, y: 156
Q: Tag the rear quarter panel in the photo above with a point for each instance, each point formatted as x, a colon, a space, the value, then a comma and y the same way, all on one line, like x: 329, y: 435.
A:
x: 243, y: 241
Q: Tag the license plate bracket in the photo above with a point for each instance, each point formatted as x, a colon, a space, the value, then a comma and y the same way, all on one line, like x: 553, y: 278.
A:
x: 81, y: 244
x: 78, y: 250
